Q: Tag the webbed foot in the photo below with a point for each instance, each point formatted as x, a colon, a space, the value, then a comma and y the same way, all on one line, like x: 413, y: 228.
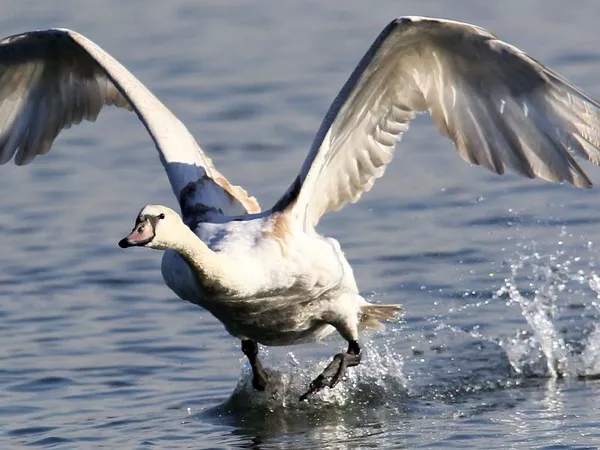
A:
x: 335, y: 371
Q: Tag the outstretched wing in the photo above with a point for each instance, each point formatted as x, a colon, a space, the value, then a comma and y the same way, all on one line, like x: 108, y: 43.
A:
x: 501, y: 108
x: 52, y: 79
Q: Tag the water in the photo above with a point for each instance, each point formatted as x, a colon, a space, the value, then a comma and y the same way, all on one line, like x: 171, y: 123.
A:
x: 500, y: 340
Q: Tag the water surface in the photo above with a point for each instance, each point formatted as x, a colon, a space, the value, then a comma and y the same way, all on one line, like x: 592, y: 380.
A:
x: 497, y: 275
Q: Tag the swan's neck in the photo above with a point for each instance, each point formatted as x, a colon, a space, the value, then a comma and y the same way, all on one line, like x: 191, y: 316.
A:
x: 207, y: 265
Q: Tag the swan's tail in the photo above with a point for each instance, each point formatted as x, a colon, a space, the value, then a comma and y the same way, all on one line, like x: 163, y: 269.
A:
x: 372, y: 315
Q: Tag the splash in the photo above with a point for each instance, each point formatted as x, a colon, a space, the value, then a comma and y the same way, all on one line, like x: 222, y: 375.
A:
x: 545, y: 287
x: 377, y: 381
x: 590, y: 356
x: 548, y: 280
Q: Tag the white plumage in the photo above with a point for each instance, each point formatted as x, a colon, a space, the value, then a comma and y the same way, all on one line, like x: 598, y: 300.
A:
x: 269, y: 277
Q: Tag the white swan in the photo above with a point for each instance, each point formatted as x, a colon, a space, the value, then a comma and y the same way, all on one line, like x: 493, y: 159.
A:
x: 269, y: 277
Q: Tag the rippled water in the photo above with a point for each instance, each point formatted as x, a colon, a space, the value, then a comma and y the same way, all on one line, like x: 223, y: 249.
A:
x: 499, y: 346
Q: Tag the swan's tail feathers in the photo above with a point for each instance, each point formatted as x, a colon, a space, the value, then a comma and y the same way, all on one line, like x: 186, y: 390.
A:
x: 372, y: 315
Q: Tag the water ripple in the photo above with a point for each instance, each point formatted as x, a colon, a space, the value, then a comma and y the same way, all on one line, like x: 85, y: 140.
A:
x: 497, y: 275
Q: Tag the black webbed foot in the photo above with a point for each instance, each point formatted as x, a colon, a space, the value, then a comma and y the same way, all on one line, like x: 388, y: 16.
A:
x: 335, y: 371
x: 259, y: 376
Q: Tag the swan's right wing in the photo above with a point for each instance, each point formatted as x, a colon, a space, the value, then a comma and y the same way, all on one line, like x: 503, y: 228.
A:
x: 52, y: 79
x: 501, y: 108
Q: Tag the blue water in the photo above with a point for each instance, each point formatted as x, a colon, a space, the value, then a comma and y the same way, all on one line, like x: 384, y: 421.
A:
x: 499, y: 344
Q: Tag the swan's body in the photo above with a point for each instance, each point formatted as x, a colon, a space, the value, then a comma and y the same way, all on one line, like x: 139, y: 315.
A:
x: 280, y: 293
x: 268, y: 276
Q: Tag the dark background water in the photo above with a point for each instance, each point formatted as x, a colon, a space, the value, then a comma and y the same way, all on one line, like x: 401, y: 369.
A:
x: 96, y: 352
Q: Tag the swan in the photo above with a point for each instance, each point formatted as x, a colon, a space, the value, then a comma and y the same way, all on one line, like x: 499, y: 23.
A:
x: 269, y: 276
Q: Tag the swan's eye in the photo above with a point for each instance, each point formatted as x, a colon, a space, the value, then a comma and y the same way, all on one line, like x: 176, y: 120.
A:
x: 161, y: 216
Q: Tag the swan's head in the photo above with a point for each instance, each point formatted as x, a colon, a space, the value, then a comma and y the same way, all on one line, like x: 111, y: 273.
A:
x: 156, y: 227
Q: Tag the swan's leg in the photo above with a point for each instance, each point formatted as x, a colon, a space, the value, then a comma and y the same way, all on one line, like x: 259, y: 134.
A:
x: 259, y: 376
x: 336, y: 369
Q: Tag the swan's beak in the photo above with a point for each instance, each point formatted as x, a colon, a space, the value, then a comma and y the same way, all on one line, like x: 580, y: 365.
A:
x: 141, y: 235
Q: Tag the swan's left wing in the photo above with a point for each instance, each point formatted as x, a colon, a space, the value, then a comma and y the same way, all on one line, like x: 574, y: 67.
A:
x: 501, y: 108
x: 52, y: 79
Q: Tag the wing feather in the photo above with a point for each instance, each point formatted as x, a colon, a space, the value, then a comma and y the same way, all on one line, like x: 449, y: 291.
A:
x: 501, y: 108
x: 52, y: 79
